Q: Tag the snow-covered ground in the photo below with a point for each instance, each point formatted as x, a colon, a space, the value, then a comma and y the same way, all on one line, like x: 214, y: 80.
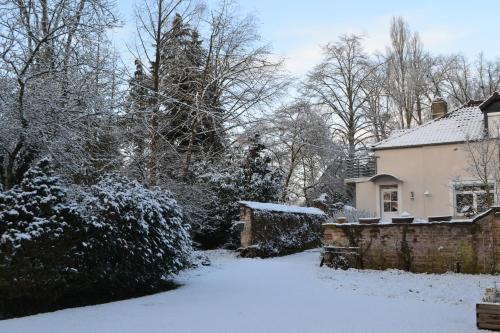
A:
x: 288, y: 294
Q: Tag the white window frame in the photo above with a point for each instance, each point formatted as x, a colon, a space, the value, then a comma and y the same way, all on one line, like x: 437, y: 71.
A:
x: 474, y: 195
x: 378, y: 199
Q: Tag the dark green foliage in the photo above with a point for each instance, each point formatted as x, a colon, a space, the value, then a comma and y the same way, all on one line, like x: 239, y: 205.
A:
x: 278, y: 233
x: 57, y: 250
x: 252, y: 178
x: 179, y: 98
x: 40, y: 242
x: 140, y: 230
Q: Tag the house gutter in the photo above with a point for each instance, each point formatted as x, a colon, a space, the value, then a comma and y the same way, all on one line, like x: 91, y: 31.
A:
x: 422, y: 145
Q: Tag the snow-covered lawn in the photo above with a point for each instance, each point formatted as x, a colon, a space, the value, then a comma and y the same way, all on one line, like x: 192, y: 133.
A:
x: 288, y: 294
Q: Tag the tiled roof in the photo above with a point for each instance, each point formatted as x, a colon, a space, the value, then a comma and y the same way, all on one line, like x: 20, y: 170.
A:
x: 457, y: 126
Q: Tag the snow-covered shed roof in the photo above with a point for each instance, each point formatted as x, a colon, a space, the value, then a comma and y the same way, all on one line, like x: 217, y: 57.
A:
x: 464, y: 123
x: 282, y: 208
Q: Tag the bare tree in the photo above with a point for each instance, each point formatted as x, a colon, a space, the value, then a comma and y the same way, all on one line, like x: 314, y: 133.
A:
x: 465, y: 80
x: 301, y: 144
x: 155, y: 22
x: 339, y: 84
x: 207, y: 84
x: 483, y: 164
x: 488, y: 76
x: 408, y: 70
x: 54, y: 59
x: 376, y: 109
x: 459, y: 80
x: 240, y: 76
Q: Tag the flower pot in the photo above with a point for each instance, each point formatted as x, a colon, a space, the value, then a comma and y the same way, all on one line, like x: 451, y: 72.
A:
x: 408, y: 219
x: 369, y: 220
x: 443, y: 218
x: 341, y: 220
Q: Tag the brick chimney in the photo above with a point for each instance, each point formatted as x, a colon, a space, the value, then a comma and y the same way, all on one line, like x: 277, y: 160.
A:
x: 439, y: 107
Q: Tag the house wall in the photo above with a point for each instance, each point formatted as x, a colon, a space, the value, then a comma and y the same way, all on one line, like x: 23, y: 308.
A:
x: 423, y: 169
x: 365, y: 196
x: 424, y: 247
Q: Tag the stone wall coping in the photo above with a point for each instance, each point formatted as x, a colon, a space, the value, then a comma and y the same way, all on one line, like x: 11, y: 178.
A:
x: 452, y: 222
x: 494, y: 209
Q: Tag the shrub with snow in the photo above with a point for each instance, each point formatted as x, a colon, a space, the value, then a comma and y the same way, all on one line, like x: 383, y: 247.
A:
x: 330, y: 205
x: 62, y: 246
x: 40, y: 239
x: 279, y: 233
x: 141, y: 232
x: 351, y: 214
x: 249, y: 178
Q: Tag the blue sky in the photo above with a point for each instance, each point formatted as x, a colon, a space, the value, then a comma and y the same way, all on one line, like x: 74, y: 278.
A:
x: 296, y: 29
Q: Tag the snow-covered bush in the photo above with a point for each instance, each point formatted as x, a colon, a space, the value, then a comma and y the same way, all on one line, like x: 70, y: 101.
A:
x: 41, y: 234
x: 141, y: 232
x: 64, y: 246
x: 326, y: 204
x: 249, y: 177
x: 279, y: 233
x: 351, y: 214
x: 199, y: 203
x: 336, y: 209
x: 215, y: 229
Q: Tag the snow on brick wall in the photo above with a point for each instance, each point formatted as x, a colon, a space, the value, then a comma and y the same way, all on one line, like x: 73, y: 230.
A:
x: 473, y: 247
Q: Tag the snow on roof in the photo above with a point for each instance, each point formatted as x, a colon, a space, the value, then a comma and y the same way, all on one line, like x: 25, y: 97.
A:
x: 282, y: 208
x: 457, y: 126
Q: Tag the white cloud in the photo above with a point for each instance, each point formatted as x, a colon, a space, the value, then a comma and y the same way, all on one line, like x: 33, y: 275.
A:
x: 302, y: 46
x: 302, y: 59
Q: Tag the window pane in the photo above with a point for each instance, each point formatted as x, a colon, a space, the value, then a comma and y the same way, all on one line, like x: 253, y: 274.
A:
x: 394, y: 196
x: 394, y: 206
x: 482, y: 202
x: 464, y: 201
x: 387, y: 196
x: 387, y: 206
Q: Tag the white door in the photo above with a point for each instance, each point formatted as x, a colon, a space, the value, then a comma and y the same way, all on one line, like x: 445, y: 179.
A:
x: 389, y: 203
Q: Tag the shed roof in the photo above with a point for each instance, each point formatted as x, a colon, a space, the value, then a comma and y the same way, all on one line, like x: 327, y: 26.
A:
x: 282, y: 208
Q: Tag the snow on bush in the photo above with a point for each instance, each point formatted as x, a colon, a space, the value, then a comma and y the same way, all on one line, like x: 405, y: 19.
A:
x: 351, y: 214
x: 40, y: 242
x: 64, y: 246
x: 140, y: 230
x: 250, y: 177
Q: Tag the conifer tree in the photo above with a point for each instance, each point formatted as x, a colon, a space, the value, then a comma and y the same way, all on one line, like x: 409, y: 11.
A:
x: 250, y: 177
x: 262, y: 182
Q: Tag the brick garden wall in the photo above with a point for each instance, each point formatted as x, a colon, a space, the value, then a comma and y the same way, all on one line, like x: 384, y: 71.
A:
x: 269, y: 233
x: 246, y: 233
x: 424, y: 247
